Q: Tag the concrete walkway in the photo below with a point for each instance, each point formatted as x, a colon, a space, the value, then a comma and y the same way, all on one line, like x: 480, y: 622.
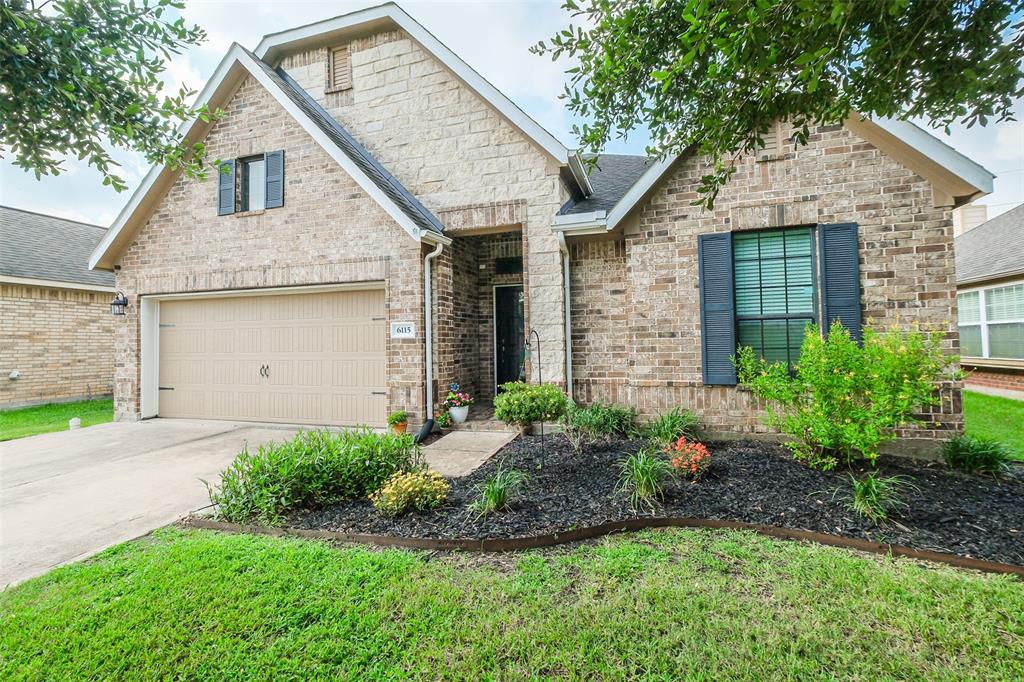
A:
x: 461, y: 452
x: 67, y: 495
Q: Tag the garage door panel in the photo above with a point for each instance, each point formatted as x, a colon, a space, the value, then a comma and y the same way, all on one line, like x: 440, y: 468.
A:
x: 323, y: 356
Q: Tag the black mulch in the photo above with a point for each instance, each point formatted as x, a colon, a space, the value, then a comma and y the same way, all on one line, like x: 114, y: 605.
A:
x: 749, y: 481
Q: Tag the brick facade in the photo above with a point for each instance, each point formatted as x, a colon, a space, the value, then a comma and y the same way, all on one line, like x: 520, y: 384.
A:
x: 1003, y: 378
x: 61, y: 341
x: 636, y: 299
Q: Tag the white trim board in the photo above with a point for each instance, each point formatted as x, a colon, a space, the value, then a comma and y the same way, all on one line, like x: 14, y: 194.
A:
x: 237, y: 64
x: 54, y: 284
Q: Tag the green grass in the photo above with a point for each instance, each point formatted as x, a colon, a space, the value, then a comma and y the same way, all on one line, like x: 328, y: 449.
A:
x: 659, y: 605
x: 989, y: 416
x: 29, y: 421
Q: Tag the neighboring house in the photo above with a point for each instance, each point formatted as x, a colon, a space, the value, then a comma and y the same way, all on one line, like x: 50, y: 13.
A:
x: 391, y: 223
x: 56, y: 330
x: 990, y: 286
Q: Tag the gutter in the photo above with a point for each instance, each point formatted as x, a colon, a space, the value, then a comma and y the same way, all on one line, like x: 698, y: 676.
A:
x: 428, y: 330
x: 567, y: 311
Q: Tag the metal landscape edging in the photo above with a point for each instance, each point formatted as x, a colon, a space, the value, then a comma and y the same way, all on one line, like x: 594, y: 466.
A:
x: 590, y: 532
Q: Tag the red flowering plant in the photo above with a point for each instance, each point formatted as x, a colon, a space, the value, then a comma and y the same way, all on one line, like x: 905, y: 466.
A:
x: 457, y: 398
x: 689, y: 458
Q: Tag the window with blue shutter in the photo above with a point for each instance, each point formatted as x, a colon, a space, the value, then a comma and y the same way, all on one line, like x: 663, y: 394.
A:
x: 775, y: 293
x: 717, y: 309
x: 226, y: 188
x: 840, y: 276
x: 274, y: 194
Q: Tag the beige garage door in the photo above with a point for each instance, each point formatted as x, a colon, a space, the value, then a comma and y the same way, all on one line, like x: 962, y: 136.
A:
x: 315, y: 358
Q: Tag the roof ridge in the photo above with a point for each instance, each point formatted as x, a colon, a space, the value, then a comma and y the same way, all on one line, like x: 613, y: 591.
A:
x: 54, y: 217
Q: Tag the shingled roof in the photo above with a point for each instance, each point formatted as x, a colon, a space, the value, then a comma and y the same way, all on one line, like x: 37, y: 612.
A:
x: 45, y: 247
x: 993, y: 249
x: 611, y: 178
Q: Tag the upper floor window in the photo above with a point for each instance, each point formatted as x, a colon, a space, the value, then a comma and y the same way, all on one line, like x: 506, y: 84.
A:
x: 991, y: 322
x: 252, y: 183
x: 774, y: 289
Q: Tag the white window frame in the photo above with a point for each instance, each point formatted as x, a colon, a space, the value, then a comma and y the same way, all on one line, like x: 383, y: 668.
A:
x: 983, y: 316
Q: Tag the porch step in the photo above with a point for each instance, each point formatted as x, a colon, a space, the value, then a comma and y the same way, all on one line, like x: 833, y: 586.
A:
x: 486, y: 425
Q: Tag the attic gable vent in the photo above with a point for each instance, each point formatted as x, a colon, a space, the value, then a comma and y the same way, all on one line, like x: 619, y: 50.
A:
x: 339, y: 70
x: 772, y: 143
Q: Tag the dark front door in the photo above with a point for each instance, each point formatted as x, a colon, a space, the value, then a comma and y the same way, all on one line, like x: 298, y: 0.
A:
x: 509, y: 333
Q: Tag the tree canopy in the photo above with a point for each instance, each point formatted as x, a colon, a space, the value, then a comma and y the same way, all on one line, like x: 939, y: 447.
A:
x: 715, y: 75
x: 78, y: 75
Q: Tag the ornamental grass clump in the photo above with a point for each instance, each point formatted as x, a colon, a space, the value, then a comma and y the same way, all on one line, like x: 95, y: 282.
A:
x: 670, y: 426
x: 842, y: 400
x: 690, y: 459
x: 977, y: 455
x: 408, y: 491
x: 876, y: 497
x: 598, y: 422
x: 642, y: 478
x: 312, y: 469
x: 498, y: 491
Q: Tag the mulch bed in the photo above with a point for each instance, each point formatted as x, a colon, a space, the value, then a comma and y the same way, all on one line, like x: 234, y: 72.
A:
x: 749, y: 481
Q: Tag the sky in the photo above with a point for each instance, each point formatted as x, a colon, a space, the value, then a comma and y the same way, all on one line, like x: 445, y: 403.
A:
x: 493, y: 37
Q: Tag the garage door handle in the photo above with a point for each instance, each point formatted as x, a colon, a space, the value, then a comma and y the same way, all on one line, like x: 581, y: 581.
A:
x: 378, y: 392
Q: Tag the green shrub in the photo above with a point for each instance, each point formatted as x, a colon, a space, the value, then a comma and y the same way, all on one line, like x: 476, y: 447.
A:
x: 844, y: 400
x: 311, y: 469
x: 977, y: 455
x: 877, y: 497
x: 497, y: 491
x: 399, y: 417
x: 523, y: 404
x: 670, y: 426
x: 408, y: 491
x: 642, y: 477
x: 582, y: 425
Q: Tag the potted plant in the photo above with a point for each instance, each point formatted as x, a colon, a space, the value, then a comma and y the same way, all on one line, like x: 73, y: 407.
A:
x: 457, y: 403
x: 443, y: 419
x: 399, y: 421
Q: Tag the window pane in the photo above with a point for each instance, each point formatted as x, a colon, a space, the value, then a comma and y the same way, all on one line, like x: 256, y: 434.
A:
x: 968, y: 309
x: 970, y: 340
x: 1005, y: 303
x: 750, y: 334
x: 257, y: 183
x: 1006, y: 340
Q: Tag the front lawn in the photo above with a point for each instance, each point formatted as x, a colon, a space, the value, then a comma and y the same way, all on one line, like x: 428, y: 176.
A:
x: 995, y: 417
x: 666, y: 605
x: 29, y: 421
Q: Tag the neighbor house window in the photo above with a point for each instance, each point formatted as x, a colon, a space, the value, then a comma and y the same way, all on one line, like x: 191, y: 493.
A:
x: 254, y: 184
x: 991, y: 322
x: 775, y: 290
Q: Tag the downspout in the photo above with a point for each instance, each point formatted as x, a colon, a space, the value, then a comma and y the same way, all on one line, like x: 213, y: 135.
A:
x: 567, y: 310
x: 428, y: 329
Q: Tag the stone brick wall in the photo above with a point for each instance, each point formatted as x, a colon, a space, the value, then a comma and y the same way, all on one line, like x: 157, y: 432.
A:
x: 636, y: 301
x: 328, y: 231
x: 60, y: 340
x: 456, y: 154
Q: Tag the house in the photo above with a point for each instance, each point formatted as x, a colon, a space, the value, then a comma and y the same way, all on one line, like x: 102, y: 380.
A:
x: 389, y: 222
x: 990, y: 301
x: 56, y: 330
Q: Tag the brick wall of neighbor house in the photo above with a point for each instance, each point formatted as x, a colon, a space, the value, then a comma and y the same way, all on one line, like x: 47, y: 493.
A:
x: 60, y: 341
x: 636, y: 301
x: 328, y: 231
x: 454, y: 153
x: 1007, y: 379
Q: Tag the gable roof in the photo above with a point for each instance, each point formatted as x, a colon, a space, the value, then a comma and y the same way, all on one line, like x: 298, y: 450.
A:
x: 991, y: 250
x: 237, y: 64
x: 35, y: 246
x: 950, y: 172
x: 611, y: 177
x: 274, y: 46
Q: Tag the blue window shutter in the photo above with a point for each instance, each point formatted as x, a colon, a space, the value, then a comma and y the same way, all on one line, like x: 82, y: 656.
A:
x: 275, y: 179
x: 226, y: 189
x: 717, y: 308
x: 840, y: 276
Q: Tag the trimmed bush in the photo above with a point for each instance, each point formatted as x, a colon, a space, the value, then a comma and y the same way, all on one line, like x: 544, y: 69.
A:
x: 408, y: 491
x: 523, y: 404
x: 843, y: 400
x: 583, y: 425
x: 977, y: 455
x: 668, y: 428
x: 312, y: 469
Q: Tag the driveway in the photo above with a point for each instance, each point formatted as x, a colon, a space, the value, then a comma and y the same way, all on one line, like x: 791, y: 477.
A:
x: 67, y: 495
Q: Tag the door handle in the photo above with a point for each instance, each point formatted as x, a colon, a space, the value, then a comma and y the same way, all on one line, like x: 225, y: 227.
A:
x: 263, y: 370
x: 267, y: 375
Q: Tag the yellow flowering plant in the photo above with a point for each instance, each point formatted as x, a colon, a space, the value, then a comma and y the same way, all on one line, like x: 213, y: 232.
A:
x: 408, y: 491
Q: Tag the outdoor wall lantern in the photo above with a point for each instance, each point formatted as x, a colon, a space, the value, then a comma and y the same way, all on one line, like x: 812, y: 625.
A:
x: 119, y: 304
